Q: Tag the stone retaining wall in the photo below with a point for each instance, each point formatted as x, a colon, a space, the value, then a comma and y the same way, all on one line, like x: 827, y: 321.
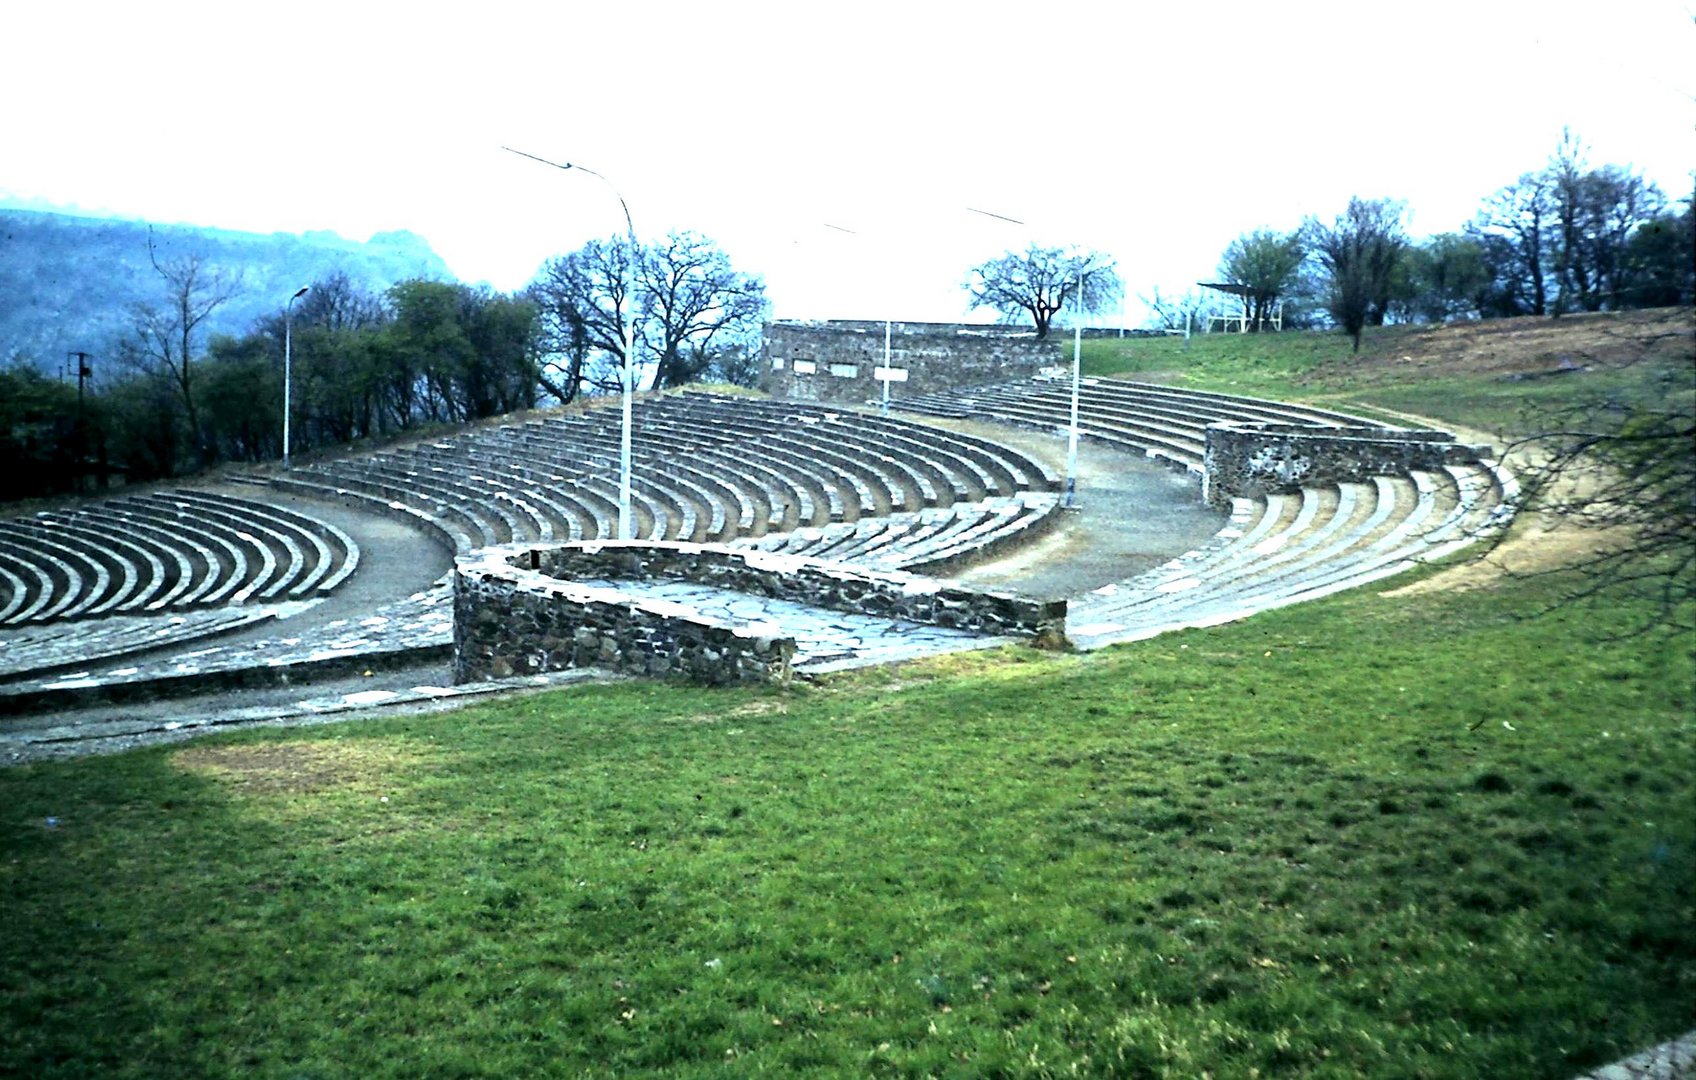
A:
x: 516, y: 611
x: 1247, y: 459
x: 839, y: 361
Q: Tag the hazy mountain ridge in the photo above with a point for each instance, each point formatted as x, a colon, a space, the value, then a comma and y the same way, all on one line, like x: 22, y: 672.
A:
x: 68, y: 282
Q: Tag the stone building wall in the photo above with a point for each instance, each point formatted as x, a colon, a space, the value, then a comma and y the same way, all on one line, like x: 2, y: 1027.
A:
x: 517, y: 612
x: 840, y: 361
x: 1246, y: 460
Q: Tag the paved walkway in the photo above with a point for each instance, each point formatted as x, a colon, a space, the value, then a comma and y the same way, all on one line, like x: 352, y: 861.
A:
x: 1131, y: 516
x: 112, y: 729
x: 394, y: 634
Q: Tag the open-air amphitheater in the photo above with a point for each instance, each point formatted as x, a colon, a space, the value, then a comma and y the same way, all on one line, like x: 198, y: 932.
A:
x: 832, y: 535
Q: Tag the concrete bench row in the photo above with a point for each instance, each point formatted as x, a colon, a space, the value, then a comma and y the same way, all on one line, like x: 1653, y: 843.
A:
x: 996, y: 467
x: 1287, y: 548
x: 418, y: 629
x: 164, y: 551
x: 1161, y: 422
x: 928, y: 541
x: 38, y: 649
x: 705, y: 468
x: 1279, y: 548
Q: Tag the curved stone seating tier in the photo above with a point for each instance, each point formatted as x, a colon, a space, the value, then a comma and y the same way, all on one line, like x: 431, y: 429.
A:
x: 829, y: 429
x: 138, y: 567
x: 1126, y: 399
x: 1279, y: 548
x: 705, y: 468
x: 1152, y: 435
x: 410, y: 631
x: 666, y: 502
x: 1164, y: 423
x: 928, y: 540
x: 998, y: 469
x: 14, y: 592
x: 318, y: 555
x: 164, y: 551
x: 37, y: 650
x: 1286, y: 548
x: 35, y: 589
x: 706, y: 502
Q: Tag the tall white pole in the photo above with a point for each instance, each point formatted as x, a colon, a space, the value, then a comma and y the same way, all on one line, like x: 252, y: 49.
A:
x: 888, y: 327
x: 626, y: 527
x: 1072, y: 435
x: 288, y: 367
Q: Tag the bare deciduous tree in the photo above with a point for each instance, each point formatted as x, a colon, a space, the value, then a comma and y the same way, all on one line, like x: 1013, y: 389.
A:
x: 1041, y: 282
x: 1596, y: 210
x: 584, y: 303
x: 167, y: 335
x: 690, y: 304
x: 1172, y: 313
x: 1517, y: 224
x: 697, y: 307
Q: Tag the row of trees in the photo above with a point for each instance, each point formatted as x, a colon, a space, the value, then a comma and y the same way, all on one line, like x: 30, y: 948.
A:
x: 1564, y: 238
x: 373, y: 365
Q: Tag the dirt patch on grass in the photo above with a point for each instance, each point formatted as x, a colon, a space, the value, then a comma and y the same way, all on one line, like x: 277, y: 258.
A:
x: 1530, y: 346
x: 298, y: 768
x: 1535, y: 543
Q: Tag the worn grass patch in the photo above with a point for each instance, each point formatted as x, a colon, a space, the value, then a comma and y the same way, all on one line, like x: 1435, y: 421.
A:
x: 300, y: 767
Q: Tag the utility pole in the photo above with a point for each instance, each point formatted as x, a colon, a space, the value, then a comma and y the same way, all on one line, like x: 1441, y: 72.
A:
x: 79, y: 440
x: 84, y: 374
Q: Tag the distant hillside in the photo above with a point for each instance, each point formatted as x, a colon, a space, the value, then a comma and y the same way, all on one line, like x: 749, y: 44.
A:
x: 67, y: 283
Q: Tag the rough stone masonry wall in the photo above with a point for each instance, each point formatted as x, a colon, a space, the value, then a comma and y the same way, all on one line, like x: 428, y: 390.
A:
x: 510, y: 622
x: 1247, y: 460
x: 836, y: 361
x: 516, y: 611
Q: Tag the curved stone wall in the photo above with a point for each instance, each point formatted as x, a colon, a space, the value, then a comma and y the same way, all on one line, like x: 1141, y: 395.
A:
x: 525, y: 609
x: 1247, y: 459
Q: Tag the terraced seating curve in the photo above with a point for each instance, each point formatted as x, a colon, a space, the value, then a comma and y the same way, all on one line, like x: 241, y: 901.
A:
x: 1160, y: 422
x: 164, y: 551
x: 924, y: 541
x: 1289, y: 548
x: 1278, y: 549
x: 705, y: 467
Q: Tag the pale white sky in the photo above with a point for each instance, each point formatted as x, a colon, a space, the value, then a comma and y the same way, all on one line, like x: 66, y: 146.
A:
x: 1155, y: 135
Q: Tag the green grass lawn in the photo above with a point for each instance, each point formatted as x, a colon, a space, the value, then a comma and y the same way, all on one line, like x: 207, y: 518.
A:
x: 1254, y: 364
x: 1360, y: 837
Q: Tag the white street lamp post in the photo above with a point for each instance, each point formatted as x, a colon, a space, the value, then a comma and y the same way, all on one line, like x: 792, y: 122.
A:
x: 888, y: 366
x: 887, y: 372
x: 288, y: 366
x: 1077, y: 368
x: 625, y: 525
